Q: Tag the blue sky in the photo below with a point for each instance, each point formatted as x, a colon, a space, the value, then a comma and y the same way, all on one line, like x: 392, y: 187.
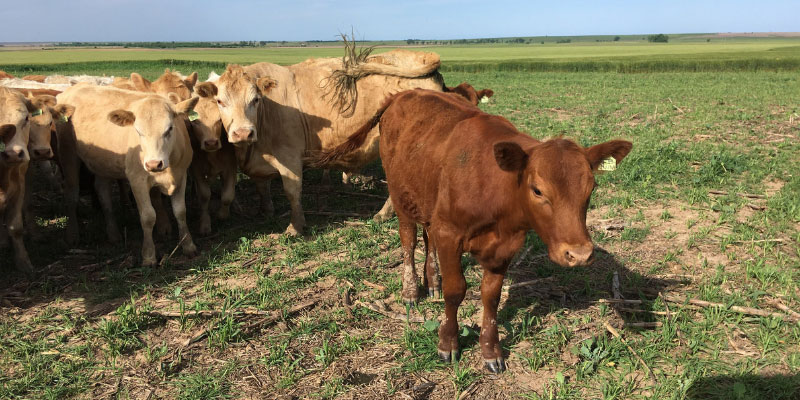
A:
x: 201, y: 20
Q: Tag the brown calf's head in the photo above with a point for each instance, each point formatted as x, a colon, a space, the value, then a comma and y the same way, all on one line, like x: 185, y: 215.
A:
x: 238, y: 99
x: 43, y: 124
x: 169, y: 82
x: 555, y: 180
x: 206, y: 128
x: 15, y: 123
x: 159, y: 124
x: 469, y: 93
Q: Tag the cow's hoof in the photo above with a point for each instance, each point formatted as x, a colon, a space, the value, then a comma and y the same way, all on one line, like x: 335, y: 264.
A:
x: 379, y: 217
x: 190, y: 250
x: 149, y: 263
x: 449, y: 356
x: 205, y: 230
x: 434, y: 293
x: 495, y: 366
x: 291, y: 231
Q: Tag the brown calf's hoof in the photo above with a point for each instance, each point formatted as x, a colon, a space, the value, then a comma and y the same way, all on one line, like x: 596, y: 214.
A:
x: 495, y: 366
x: 449, y: 357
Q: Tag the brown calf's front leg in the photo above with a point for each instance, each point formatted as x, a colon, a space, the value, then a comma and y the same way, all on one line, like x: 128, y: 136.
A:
x: 163, y: 224
x: 491, y: 286
x: 203, y: 198
x: 431, y: 277
x: 408, y: 240
x: 262, y: 186
x: 102, y: 187
x: 454, y: 287
x: 228, y: 176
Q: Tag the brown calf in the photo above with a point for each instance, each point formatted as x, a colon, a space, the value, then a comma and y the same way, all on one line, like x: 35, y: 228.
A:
x: 478, y: 185
x: 468, y: 92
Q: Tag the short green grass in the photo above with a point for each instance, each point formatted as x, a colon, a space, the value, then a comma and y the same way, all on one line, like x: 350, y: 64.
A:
x: 95, y: 332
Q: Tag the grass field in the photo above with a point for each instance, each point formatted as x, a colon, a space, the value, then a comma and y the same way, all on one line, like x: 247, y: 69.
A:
x: 706, y: 207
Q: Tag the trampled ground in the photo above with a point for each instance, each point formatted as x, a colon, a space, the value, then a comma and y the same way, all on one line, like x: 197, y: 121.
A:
x: 706, y: 207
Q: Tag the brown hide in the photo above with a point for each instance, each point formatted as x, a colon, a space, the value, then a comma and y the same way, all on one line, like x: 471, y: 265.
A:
x: 168, y: 82
x: 468, y: 92
x: 34, y: 78
x: 5, y: 75
x: 478, y: 185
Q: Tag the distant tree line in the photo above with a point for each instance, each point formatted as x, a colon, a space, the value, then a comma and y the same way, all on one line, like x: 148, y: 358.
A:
x: 660, y: 38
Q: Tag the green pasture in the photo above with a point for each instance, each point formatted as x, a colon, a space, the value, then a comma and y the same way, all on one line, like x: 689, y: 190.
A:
x: 705, y: 207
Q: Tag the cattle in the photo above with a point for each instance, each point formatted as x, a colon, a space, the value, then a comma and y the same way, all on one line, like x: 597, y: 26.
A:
x: 122, y: 134
x: 275, y: 115
x: 34, y: 78
x: 15, y: 126
x: 468, y: 92
x: 213, y: 156
x: 5, y: 75
x: 168, y: 82
x: 476, y: 184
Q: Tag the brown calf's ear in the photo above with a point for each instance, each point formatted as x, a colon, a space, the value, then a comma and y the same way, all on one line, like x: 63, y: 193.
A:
x: 44, y: 101
x: 614, y: 148
x: 62, y: 111
x: 141, y: 84
x: 187, y: 105
x: 485, y: 93
x: 29, y: 105
x: 7, y: 131
x: 510, y: 156
x: 206, y: 90
x: 265, y: 85
x: 121, y: 117
x: 191, y: 80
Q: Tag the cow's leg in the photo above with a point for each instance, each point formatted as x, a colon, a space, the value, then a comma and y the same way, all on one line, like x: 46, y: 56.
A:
x: 326, y: 177
x: 454, y: 287
x: 27, y: 214
x: 70, y: 168
x: 228, y: 176
x: 13, y: 217
x: 491, y: 286
x: 102, y: 187
x: 147, y: 218
x: 262, y: 186
x: 204, y: 198
x: 179, y: 209
x: 124, y: 193
x: 431, y: 278
x: 163, y: 224
x: 408, y: 241
x: 291, y: 171
x: 386, y: 212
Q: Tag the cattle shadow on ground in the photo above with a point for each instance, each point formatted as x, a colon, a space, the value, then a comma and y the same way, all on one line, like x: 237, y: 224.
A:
x: 746, y: 386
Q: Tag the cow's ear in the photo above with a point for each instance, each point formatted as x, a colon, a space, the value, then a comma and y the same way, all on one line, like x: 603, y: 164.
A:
x: 62, y: 111
x: 265, y: 85
x: 7, y: 131
x: 485, y: 93
x: 614, y: 148
x: 44, y: 101
x: 186, y: 106
x: 121, y: 117
x: 206, y: 90
x: 141, y: 84
x: 510, y: 156
x: 173, y: 97
x: 191, y: 80
x: 29, y: 104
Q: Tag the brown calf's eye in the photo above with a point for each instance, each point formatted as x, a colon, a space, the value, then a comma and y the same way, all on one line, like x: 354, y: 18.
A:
x: 536, y: 191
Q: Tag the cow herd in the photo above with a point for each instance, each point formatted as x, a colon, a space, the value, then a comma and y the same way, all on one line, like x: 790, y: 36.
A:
x: 470, y: 179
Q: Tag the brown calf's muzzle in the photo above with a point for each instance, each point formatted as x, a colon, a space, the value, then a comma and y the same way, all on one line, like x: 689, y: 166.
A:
x: 41, y: 153
x: 568, y: 255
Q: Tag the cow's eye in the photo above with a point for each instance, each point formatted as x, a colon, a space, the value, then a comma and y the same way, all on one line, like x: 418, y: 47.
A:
x: 221, y: 104
x: 167, y: 133
x: 536, y: 191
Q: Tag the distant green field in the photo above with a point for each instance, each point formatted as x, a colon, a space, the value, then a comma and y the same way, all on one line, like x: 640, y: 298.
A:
x: 630, y: 56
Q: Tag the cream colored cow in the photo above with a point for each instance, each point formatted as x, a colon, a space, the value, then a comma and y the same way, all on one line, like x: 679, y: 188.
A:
x: 141, y: 137
x: 275, y: 115
x: 15, y: 126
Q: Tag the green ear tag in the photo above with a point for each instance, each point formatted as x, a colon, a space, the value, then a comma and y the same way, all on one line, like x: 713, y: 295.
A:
x: 193, y: 115
x: 37, y: 113
x: 609, y: 164
x: 65, y: 118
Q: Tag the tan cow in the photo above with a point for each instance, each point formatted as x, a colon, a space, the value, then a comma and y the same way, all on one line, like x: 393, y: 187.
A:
x: 121, y: 134
x: 169, y: 82
x: 213, y: 156
x: 15, y: 125
x: 275, y: 114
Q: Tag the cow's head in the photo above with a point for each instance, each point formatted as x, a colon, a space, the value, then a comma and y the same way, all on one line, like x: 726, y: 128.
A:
x: 555, y: 180
x: 43, y: 124
x: 15, y: 123
x: 159, y: 124
x: 207, y: 126
x: 238, y: 99
x: 468, y: 92
x: 169, y: 82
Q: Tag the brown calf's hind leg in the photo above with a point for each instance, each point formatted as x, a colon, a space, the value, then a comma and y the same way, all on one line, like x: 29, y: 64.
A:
x: 431, y: 276
x: 454, y: 287
x: 491, y: 286
x: 408, y: 240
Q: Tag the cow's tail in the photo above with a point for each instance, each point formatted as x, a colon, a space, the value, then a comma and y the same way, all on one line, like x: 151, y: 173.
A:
x: 323, y: 158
